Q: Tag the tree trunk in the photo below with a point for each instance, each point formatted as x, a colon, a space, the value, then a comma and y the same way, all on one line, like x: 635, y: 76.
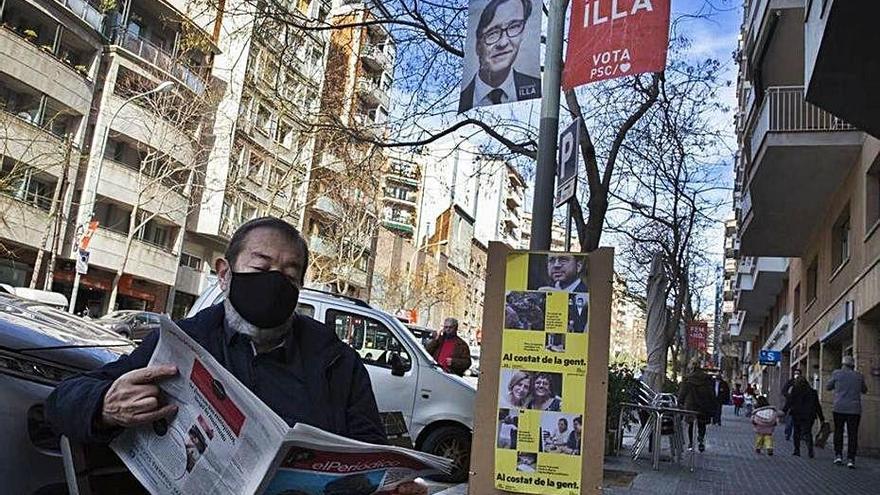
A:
x: 54, y: 211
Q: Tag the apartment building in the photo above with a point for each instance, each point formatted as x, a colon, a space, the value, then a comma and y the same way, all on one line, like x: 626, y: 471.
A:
x: 629, y: 319
x: 402, y: 193
x: 499, y: 203
x: 809, y: 209
x: 345, y: 199
x: 272, y: 75
x: 557, y: 235
x: 78, y: 73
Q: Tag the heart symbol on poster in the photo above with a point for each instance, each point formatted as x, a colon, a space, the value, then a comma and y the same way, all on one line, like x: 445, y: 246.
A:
x: 625, y: 67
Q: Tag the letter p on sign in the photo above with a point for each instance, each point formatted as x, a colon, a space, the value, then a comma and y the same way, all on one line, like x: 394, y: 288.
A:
x: 566, y: 172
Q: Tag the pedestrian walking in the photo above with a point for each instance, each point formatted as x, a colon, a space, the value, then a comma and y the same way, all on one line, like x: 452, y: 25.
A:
x: 697, y: 393
x: 738, y: 398
x: 764, y: 421
x: 786, y: 391
x: 848, y: 386
x: 803, y: 405
x: 722, y: 396
x: 749, y: 400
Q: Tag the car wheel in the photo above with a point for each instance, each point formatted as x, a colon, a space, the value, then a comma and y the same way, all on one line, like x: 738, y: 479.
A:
x: 454, y: 443
x: 126, y: 334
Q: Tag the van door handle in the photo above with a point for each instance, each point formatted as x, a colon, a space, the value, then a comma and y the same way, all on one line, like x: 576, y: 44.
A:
x: 426, y: 394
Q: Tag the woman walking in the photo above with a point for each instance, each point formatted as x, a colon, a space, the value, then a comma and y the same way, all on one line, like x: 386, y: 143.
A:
x: 738, y: 398
x: 803, y: 405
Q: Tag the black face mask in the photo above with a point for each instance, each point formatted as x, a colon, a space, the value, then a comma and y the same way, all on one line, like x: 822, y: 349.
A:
x: 265, y: 299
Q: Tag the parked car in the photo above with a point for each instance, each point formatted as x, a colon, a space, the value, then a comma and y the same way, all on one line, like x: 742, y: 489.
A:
x: 49, y: 298
x: 438, y: 408
x: 131, y: 324
x: 423, y: 334
x: 39, y: 347
x: 474, y: 370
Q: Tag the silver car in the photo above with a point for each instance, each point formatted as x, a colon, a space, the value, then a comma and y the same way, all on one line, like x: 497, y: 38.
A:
x: 40, y: 346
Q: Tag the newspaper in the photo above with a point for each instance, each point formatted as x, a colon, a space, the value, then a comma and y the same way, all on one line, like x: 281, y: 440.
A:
x: 225, y: 440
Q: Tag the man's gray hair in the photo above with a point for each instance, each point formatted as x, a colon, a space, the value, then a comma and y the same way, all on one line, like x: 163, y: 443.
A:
x: 452, y: 321
x: 848, y: 361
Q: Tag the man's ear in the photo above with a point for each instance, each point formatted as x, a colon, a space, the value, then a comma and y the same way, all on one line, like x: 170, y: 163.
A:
x: 224, y: 272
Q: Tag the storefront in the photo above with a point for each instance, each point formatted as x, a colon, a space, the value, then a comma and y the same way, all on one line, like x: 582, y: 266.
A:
x: 95, y: 287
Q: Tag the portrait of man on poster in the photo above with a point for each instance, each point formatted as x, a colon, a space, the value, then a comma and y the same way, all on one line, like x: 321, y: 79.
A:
x: 502, y: 56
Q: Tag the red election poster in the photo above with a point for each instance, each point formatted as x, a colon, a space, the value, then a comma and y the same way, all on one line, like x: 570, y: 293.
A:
x: 697, y: 335
x: 615, y: 38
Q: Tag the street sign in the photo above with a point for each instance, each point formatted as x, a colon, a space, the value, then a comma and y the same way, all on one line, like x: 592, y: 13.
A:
x: 769, y: 357
x: 567, y: 163
x: 82, y: 262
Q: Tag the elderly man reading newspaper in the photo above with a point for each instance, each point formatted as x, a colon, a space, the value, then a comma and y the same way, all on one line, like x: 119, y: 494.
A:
x: 289, y: 362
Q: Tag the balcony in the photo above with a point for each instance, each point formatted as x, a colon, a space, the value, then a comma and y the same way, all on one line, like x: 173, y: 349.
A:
x: 759, y: 281
x: 376, y: 57
x: 372, y: 93
x: 769, y: 22
x: 87, y: 13
x: 23, y: 222
x: 143, y: 126
x: 145, y: 260
x: 158, y: 57
x: 124, y: 184
x: 780, y: 337
x: 48, y: 73
x: 190, y: 281
x: 327, y: 207
x: 800, y: 155
x: 842, y: 64
x: 399, y: 224
x: 29, y: 143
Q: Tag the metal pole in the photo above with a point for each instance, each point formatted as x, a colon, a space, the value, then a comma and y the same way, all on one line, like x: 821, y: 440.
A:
x: 568, y: 227
x: 542, y: 207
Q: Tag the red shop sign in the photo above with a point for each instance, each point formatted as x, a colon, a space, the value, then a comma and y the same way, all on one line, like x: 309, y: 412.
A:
x: 615, y: 38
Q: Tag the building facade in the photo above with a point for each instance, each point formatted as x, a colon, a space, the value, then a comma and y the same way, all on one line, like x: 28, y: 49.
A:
x: 808, y: 212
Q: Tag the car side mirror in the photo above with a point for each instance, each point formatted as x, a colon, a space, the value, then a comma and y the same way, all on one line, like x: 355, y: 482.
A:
x: 398, y: 366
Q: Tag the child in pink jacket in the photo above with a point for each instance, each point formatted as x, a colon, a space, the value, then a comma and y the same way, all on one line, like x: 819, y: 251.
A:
x: 764, y: 420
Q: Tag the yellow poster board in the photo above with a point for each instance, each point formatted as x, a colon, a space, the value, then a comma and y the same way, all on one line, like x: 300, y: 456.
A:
x: 541, y: 396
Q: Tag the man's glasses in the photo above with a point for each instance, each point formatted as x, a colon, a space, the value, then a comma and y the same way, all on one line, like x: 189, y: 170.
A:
x: 512, y: 30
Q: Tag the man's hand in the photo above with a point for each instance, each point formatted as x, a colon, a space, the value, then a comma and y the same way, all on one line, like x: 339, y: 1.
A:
x: 134, y: 399
x: 411, y: 488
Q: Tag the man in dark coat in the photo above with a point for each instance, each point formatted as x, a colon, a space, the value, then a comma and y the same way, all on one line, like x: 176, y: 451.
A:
x: 449, y: 350
x: 697, y: 393
x: 294, y: 364
x: 803, y: 406
x: 722, y: 396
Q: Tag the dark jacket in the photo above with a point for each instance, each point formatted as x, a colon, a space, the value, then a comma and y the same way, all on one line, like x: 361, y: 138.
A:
x: 697, y: 393
x: 336, y: 381
x: 803, y: 404
x: 527, y: 87
x: 461, y: 354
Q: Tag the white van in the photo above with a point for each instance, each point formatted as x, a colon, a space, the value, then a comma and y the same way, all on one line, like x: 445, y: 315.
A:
x: 438, y: 407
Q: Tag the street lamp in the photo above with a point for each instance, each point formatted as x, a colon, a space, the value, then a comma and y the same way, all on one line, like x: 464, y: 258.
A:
x: 163, y: 87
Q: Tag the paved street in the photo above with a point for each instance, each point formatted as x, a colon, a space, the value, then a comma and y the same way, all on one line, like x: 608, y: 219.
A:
x: 731, y: 466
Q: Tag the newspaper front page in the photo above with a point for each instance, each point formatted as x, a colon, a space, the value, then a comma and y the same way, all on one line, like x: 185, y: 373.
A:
x: 315, y: 462
x: 222, y: 440
x: 225, y: 440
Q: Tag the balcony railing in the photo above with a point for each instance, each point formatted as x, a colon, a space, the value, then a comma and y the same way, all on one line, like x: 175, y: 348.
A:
x: 161, y: 59
x: 377, y: 54
x: 785, y: 110
x: 372, y: 90
x: 91, y: 15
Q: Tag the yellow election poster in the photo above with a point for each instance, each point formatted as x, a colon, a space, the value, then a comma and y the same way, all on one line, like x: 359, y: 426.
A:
x: 543, y: 374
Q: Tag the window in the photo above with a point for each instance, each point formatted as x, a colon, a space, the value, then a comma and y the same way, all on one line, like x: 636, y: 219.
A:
x: 840, y: 239
x: 284, y: 133
x: 256, y: 167
x: 112, y: 217
x: 872, y: 196
x: 264, y: 120
x: 157, y: 234
x: 797, y: 303
x: 812, y: 280
x: 303, y: 6
x: 191, y: 261
x: 376, y: 344
x: 305, y: 310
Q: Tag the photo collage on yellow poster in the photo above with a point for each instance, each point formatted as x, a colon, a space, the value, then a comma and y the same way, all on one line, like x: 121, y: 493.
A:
x: 543, y: 374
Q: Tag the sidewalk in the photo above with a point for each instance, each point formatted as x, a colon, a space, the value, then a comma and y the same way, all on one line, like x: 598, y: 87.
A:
x: 730, y: 466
